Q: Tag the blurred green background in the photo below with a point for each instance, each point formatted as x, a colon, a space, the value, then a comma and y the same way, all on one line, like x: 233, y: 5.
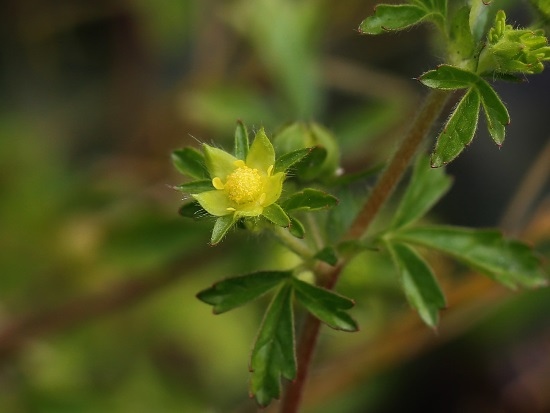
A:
x: 98, y: 274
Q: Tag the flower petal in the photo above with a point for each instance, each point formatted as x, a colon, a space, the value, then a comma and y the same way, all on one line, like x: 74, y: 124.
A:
x: 214, y: 202
x: 273, y: 188
x: 219, y: 163
x: 261, y: 154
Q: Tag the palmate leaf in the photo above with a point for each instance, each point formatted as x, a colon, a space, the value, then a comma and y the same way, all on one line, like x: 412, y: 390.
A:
x: 326, y: 305
x: 459, y: 130
x: 509, y: 262
x: 447, y: 77
x: 418, y: 282
x: 234, y: 292
x: 273, y: 354
x: 427, y: 186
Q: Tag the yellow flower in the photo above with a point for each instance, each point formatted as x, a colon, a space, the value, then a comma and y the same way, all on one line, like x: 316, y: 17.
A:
x: 242, y: 187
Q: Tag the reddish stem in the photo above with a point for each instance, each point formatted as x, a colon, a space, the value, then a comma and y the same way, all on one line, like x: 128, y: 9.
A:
x: 385, y: 186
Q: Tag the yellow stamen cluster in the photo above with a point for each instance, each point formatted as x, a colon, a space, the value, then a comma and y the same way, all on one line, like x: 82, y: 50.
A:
x: 243, y: 185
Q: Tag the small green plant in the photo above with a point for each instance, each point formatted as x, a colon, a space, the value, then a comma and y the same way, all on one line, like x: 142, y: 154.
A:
x: 292, y: 188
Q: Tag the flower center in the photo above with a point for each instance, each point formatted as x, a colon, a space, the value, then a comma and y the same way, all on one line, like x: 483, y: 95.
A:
x: 243, y: 185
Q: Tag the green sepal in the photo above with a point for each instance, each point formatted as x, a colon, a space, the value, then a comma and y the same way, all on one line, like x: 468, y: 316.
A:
x: 234, y: 292
x: 496, y: 113
x: 190, y: 162
x: 276, y: 215
x: 418, y: 282
x: 241, y: 141
x: 273, y: 354
x: 328, y: 255
x: 426, y: 187
x: 193, y: 210
x: 325, y: 305
x: 309, y: 200
x: 196, y: 187
x: 447, y: 77
x: 296, y: 228
x: 221, y: 227
x: 459, y: 130
x: 509, y: 262
x: 392, y: 17
x: 289, y: 159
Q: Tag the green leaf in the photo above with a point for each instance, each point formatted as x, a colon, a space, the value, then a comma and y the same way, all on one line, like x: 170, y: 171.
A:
x: 222, y: 225
x: 273, y: 354
x: 312, y: 164
x: 234, y: 292
x: 447, y: 77
x: 418, y: 282
x: 296, y: 228
x: 427, y: 186
x: 196, y: 187
x: 193, y: 210
x: 461, y: 40
x: 310, y: 200
x: 289, y: 159
x: 241, y: 141
x: 326, y: 305
x: 495, y: 112
x: 459, y: 130
x: 328, y: 255
x: 479, y: 17
x: 392, y: 17
x: 190, y: 162
x: 507, y: 261
x: 277, y: 215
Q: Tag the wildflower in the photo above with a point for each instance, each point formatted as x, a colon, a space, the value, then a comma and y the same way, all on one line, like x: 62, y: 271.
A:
x: 242, y: 188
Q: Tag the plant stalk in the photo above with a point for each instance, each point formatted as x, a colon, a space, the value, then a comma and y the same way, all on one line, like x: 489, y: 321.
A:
x: 390, y: 177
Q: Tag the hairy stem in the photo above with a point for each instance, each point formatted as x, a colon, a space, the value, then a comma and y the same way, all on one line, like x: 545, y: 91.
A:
x: 386, y: 184
x: 430, y: 111
x: 295, y: 245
